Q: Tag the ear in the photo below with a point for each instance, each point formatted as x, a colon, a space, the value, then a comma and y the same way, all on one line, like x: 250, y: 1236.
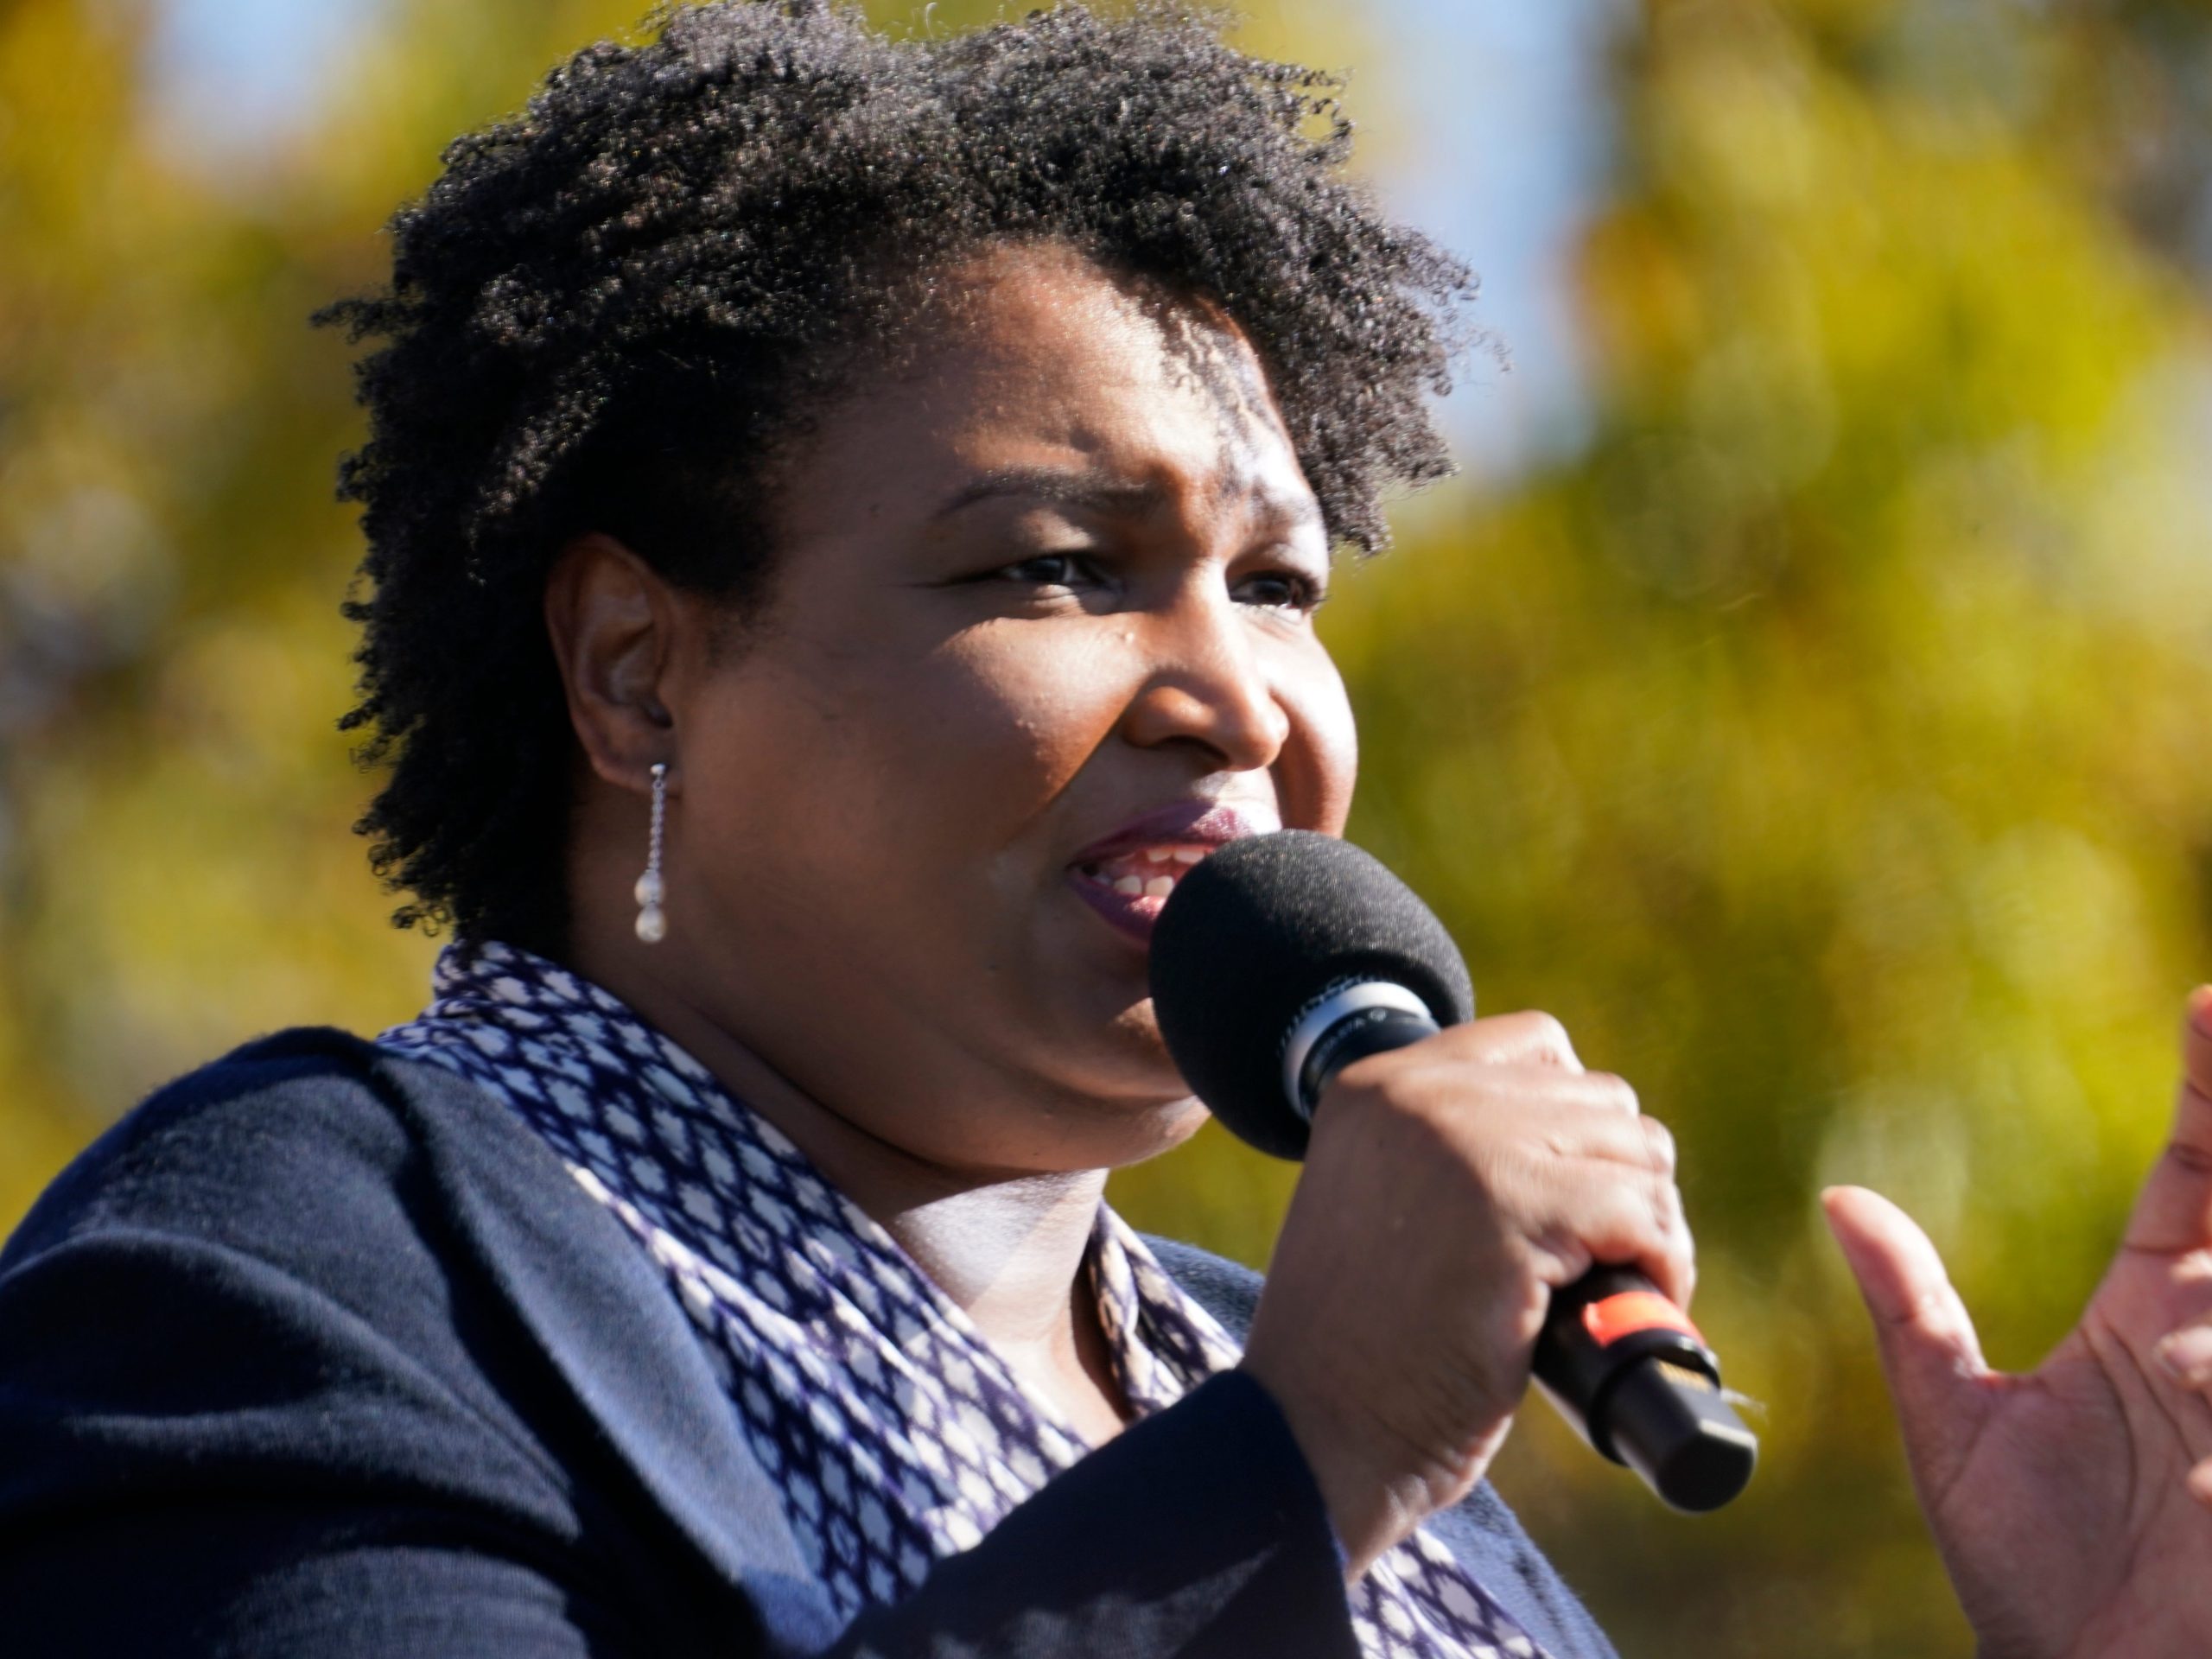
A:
x: 614, y: 626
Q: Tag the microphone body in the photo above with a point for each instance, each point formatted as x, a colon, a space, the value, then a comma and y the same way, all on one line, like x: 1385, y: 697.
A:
x: 1282, y: 959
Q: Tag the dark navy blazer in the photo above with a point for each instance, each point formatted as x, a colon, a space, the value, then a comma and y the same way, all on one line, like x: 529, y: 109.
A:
x: 320, y: 1352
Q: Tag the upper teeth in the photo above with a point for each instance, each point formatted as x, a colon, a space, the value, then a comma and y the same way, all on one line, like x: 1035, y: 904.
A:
x: 1149, y: 872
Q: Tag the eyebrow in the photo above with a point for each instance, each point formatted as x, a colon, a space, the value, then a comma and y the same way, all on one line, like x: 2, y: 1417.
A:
x: 1100, y: 493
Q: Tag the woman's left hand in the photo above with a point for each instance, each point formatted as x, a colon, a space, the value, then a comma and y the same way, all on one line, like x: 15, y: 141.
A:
x: 2073, y: 1504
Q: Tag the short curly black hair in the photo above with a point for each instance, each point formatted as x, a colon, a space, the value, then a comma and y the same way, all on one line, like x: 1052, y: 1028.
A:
x: 608, y: 311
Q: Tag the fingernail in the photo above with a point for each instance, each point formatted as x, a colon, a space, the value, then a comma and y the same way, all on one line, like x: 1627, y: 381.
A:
x: 2200, y: 1006
x: 2187, y: 1355
x: 1828, y: 1207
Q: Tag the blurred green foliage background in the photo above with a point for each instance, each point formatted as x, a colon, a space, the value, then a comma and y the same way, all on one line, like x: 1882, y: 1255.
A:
x: 1825, y: 738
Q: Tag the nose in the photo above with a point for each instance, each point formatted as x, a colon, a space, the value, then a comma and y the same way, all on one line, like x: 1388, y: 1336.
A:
x: 1207, y: 685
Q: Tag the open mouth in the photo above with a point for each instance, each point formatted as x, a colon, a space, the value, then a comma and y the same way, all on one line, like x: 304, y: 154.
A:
x: 1131, y: 887
x: 1144, y: 873
x: 1131, y: 874
x: 1128, y: 877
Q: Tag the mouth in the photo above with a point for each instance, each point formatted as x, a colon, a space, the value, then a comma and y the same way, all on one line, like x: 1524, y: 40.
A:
x: 1129, y: 877
x: 1151, y: 872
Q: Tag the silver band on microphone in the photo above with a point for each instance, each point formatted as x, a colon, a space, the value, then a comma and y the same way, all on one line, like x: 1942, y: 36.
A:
x: 1334, y: 1006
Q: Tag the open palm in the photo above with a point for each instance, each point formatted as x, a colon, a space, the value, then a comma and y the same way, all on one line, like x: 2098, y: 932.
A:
x: 2073, y: 1504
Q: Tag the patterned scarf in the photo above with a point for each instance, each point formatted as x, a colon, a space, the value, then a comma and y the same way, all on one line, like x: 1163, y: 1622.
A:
x: 894, y: 1431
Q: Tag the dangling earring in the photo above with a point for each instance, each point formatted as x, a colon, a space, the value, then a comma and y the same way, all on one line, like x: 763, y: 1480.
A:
x: 652, y: 920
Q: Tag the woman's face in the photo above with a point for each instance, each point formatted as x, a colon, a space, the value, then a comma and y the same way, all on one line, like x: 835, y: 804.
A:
x: 1042, y: 631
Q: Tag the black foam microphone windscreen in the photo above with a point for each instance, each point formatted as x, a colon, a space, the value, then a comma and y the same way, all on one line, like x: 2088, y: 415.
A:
x: 1254, y: 936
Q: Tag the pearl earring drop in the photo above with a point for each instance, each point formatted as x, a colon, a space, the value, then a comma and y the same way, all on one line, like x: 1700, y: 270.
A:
x: 652, y: 920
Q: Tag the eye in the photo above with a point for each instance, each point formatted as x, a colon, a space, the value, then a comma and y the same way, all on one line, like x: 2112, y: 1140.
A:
x: 1049, y: 570
x: 1283, y: 590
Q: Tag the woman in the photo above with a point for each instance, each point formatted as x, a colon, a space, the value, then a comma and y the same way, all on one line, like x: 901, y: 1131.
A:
x: 845, y: 523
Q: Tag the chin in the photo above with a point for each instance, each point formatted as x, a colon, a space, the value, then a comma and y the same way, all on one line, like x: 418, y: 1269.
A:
x: 1116, y: 1088
x: 1139, y: 1064
x: 1178, y: 1124
x: 1131, y: 1132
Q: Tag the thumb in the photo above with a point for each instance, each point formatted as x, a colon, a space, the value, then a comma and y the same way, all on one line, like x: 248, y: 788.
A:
x: 2173, y: 1216
x: 1929, y: 1352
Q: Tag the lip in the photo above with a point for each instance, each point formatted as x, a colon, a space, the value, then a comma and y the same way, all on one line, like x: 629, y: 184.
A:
x: 1185, y: 823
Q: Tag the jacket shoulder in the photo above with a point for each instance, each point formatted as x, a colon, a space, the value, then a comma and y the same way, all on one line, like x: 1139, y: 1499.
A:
x: 284, y: 1196
x: 227, y: 1145
x: 360, y: 1290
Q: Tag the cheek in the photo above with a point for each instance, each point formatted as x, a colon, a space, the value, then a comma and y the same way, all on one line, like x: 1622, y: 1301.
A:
x: 958, y: 746
x: 1028, y: 704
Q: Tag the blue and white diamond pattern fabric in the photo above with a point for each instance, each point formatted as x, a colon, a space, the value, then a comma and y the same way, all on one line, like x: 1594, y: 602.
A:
x: 896, y: 1433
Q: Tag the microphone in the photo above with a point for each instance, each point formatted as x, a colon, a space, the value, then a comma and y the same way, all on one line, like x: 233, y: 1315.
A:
x: 1282, y: 959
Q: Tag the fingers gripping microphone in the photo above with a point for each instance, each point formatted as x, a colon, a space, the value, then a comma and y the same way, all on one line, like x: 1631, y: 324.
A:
x: 1281, y: 960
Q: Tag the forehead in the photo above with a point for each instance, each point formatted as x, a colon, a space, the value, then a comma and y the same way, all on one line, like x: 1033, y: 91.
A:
x: 1044, y: 313
x: 1033, y: 358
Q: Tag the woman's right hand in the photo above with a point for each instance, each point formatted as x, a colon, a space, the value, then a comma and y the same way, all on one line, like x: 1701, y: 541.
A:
x: 1449, y: 1188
